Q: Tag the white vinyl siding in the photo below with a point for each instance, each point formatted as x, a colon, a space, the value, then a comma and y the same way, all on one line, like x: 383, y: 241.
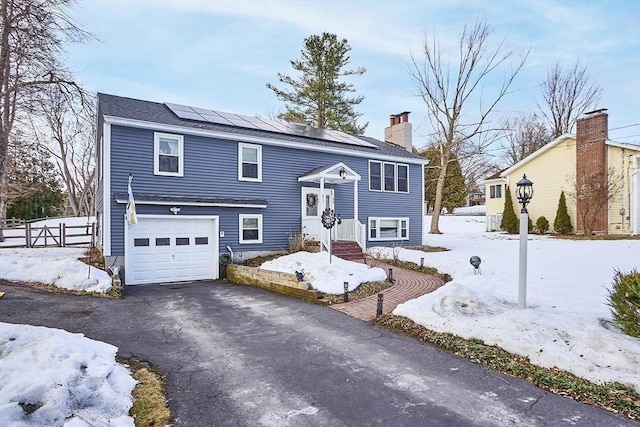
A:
x: 388, y: 228
x: 249, y: 162
x: 168, y: 154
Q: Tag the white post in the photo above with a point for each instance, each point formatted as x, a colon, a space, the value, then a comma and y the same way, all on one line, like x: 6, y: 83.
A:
x: 355, y: 200
x: 522, y: 283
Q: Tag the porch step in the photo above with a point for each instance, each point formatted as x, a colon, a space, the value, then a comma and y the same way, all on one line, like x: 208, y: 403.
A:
x: 347, y: 250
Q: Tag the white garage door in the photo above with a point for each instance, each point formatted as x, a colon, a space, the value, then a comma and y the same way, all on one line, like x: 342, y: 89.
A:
x: 171, y: 249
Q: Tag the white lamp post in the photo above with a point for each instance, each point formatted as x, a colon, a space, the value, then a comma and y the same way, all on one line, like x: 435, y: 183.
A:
x: 524, y: 193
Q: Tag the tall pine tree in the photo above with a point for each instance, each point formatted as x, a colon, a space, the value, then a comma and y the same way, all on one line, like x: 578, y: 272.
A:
x: 455, y: 191
x: 317, y: 96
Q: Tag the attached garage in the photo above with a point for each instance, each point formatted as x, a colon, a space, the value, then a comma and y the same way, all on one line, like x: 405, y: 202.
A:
x: 163, y: 249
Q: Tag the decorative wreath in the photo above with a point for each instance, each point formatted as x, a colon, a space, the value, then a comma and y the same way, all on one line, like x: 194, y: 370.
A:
x: 328, y: 218
x: 312, y: 200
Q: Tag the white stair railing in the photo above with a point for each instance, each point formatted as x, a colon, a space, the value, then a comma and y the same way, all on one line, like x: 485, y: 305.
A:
x: 352, y: 230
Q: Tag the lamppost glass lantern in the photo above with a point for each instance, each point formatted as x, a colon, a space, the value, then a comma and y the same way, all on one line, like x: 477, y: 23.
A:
x: 343, y: 173
x: 525, y: 191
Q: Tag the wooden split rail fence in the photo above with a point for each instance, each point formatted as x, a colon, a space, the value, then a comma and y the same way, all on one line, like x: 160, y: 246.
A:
x: 61, y: 235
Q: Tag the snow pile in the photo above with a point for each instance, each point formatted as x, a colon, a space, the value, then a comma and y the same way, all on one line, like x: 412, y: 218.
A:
x: 566, y: 322
x: 325, y: 276
x: 54, y: 266
x: 52, y: 377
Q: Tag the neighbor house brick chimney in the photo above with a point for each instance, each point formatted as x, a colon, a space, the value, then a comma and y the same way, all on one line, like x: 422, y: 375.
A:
x: 399, y: 131
x: 591, y: 160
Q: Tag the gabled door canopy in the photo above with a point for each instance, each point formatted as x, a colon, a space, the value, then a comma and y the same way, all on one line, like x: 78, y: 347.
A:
x: 333, y: 174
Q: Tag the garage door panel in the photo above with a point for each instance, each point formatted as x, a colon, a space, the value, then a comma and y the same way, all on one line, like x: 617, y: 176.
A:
x: 163, y: 274
x: 171, y: 249
x: 143, y: 275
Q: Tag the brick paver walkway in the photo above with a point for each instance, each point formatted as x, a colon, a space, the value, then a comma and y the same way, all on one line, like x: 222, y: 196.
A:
x: 408, y: 285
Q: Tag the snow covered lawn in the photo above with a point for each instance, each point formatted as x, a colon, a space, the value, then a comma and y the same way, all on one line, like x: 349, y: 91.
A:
x: 567, y: 321
x: 60, y: 267
x: 50, y: 377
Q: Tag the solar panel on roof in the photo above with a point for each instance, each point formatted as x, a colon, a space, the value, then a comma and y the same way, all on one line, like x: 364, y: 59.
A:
x: 279, y: 126
x: 203, y: 111
x: 215, y: 119
x: 177, y: 107
x: 191, y: 115
x: 238, y: 120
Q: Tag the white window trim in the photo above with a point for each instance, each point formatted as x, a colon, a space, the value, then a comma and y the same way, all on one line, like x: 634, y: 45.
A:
x: 241, y: 217
x: 396, y: 166
x: 378, y: 219
x: 397, y: 176
x: 495, y: 188
x: 381, y: 176
x: 156, y: 153
x: 242, y: 145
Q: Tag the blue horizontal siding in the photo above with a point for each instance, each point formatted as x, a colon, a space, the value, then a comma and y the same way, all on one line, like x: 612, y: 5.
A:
x: 211, y: 169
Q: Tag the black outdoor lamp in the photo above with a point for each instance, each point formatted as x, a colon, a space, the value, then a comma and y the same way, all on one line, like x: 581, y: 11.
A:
x: 343, y: 173
x: 525, y: 191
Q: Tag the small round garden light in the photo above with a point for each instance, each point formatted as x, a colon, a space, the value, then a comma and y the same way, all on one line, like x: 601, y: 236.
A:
x: 475, y: 262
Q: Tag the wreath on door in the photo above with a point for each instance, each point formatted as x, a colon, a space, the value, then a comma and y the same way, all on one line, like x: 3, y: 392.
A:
x: 312, y: 200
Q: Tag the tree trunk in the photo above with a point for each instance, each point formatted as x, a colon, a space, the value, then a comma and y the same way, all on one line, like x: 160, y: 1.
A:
x: 437, y: 205
x: 3, y: 205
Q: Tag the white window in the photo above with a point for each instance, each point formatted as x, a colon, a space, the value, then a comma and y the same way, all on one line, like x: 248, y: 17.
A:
x: 495, y: 191
x: 168, y: 154
x: 389, y: 176
x: 250, y: 228
x: 375, y: 175
x: 249, y: 162
x: 388, y: 228
x: 403, y: 178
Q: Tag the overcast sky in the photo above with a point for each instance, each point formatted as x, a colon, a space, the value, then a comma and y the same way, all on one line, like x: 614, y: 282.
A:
x: 220, y: 54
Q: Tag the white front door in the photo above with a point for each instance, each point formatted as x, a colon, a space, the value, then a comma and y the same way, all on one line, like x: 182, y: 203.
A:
x: 312, y: 211
x: 171, y: 249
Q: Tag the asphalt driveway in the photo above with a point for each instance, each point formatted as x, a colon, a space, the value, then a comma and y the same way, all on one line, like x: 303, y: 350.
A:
x: 241, y: 356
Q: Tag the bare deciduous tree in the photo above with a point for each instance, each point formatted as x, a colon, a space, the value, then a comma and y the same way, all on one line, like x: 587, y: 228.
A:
x: 592, y: 192
x: 33, y: 34
x: 63, y: 127
x: 566, y: 94
x: 449, y: 91
x: 524, y: 134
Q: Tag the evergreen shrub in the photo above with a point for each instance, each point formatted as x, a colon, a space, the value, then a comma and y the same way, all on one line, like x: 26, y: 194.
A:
x: 562, y: 222
x: 509, y: 222
x: 624, y: 300
x: 542, y: 225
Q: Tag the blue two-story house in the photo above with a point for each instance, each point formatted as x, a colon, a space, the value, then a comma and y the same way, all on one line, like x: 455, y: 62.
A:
x: 207, y: 182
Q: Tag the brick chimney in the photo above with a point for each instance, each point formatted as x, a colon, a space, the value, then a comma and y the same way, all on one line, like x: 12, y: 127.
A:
x: 591, y: 160
x: 399, y: 131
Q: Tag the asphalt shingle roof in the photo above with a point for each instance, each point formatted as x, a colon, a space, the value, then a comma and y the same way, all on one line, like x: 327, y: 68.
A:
x: 155, y: 112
